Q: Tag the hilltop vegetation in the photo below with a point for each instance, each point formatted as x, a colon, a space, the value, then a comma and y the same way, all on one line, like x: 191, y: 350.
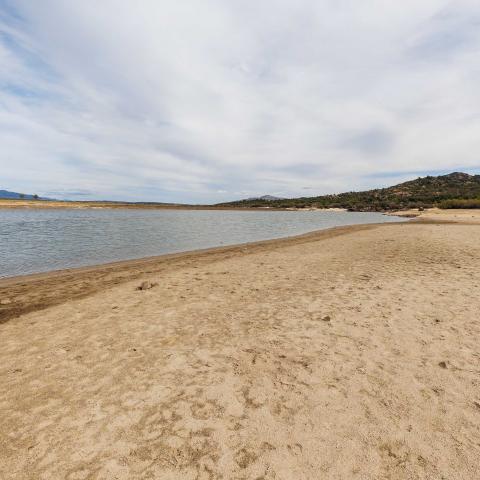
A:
x: 423, y: 192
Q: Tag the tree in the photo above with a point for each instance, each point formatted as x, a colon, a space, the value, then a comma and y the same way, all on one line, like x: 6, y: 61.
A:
x: 35, y: 197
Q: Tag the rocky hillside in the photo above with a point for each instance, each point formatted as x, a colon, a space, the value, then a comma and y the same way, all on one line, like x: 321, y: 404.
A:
x: 423, y: 192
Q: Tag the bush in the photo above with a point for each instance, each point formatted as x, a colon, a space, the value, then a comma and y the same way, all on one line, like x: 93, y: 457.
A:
x: 459, y: 203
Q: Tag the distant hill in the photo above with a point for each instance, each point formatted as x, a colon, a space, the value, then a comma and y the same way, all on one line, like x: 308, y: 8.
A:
x: 267, y: 198
x: 19, y: 196
x: 423, y: 192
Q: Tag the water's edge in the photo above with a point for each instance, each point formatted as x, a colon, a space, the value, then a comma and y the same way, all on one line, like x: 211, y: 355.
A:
x: 312, y: 236
x: 31, y: 244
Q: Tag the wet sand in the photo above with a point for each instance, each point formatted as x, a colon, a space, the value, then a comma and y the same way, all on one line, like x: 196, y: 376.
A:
x: 350, y: 353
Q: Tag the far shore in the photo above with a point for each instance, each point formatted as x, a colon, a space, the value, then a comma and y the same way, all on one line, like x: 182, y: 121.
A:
x: 60, y: 204
x: 435, y: 214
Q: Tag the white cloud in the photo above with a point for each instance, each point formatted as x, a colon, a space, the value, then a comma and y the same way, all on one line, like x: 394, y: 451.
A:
x: 202, y: 101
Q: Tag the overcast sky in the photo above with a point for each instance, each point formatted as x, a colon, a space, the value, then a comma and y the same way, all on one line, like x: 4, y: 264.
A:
x: 205, y: 101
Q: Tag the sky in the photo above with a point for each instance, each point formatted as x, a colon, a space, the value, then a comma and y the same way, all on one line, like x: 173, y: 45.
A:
x: 207, y: 101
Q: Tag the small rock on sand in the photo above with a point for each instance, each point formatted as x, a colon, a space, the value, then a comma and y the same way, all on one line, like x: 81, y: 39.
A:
x: 442, y: 364
x: 326, y: 318
x: 5, y: 301
x: 146, y: 285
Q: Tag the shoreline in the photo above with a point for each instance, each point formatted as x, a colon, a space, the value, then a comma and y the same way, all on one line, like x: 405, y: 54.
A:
x: 76, y: 282
x: 58, y: 286
x: 13, y: 289
x: 13, y: 204
x: 126, y: 262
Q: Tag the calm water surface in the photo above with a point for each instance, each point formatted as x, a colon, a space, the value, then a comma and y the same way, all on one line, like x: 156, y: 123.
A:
x: 34, y: 241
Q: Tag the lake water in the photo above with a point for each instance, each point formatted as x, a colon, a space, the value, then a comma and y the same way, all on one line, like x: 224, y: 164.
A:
x: 33, y: 241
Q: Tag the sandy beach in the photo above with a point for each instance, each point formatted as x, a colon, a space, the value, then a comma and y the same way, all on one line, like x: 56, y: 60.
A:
x: 442, y: 215
x: 351, y: 353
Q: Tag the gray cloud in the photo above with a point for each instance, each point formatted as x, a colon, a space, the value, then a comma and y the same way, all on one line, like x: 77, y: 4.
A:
x: 453, y: 31
x: 204, y: 101
x: 371, y: 142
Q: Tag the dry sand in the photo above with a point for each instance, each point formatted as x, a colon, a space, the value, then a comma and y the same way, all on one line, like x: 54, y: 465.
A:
x: 439, y: 215
x: 346, y: 354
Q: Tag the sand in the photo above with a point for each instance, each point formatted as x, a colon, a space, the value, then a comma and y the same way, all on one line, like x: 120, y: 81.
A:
x: 443, y: 215
x: 345, y: 354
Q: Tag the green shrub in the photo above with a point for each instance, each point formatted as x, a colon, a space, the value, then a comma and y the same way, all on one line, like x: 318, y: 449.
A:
x: 460, y: 203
